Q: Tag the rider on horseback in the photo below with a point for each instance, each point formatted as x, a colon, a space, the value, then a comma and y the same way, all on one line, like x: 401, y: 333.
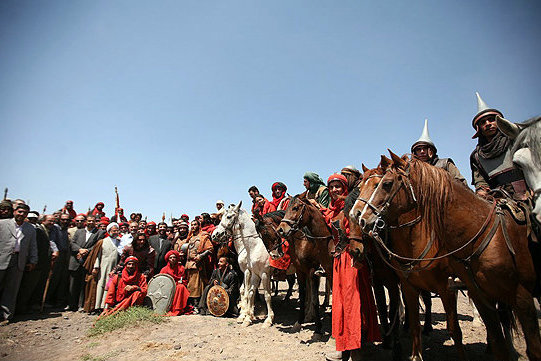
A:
x: 491, y: 162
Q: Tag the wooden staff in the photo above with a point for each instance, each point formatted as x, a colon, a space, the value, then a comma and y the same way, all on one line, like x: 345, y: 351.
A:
x: 5, y: 193
x: 46, y: 288
x: 163, y: 217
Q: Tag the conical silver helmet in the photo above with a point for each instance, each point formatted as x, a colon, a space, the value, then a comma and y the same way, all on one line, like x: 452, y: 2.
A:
x: 482, y: 110
x: 424, y: 139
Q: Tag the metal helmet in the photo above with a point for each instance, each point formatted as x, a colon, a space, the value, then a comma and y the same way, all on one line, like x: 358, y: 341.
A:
x: 482, y: 110
x: 424, y: 139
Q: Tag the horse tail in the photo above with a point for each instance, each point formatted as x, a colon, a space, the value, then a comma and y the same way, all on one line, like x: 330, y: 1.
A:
x: 507, y: 318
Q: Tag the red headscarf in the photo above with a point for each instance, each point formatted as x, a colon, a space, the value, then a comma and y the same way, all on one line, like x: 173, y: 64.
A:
x: 337, y: 205
x: 134, y: 278
x: 276, y: 201
x: 177, y: 271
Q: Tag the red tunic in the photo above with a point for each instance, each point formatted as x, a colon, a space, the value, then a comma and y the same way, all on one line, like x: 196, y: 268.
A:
x: 117, y: 296
x: 353, y: 305
x: 180, y: 301
x: 284, y: 261
x: 268, y: 207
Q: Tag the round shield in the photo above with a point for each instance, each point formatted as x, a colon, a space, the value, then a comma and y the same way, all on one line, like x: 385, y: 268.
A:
x: 161, y: 291
x: 217, y: 301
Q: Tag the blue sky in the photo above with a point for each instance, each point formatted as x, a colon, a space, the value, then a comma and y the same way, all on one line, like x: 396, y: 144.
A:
x: 183, y: 103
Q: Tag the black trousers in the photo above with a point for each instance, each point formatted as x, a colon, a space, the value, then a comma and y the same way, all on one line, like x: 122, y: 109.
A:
x: 76, y: 288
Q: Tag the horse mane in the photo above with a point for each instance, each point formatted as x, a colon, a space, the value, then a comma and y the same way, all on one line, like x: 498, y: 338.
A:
x: 530, y: 137
x: 433, y: 188
x: 276, y: 216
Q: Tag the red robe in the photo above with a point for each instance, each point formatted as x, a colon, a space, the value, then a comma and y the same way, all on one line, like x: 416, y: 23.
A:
x: 180, y: 301
x: 209, y: 228
x: 268, y: 207
x: 117, y: 296
x: 353, y: 305
x: 284, y: 261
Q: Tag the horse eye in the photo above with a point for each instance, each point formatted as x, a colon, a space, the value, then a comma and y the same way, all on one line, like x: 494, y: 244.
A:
x: 228, y: 217
x: 387, y: 185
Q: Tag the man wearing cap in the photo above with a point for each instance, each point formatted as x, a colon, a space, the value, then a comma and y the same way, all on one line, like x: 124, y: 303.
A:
x: 6, y: 209
x: 119, y: 216
x: 316, y: 189
x: 220, y: 207
x: 425, y: 150
x: 68, y: 208
x: 279, y: 198
x: 18, y: 252
x: 492, y: 162
x: 151, y: 228
x: 182, y: 235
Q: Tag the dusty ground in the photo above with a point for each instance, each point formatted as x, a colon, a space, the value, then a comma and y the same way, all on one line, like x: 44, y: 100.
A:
x: 62, y: 336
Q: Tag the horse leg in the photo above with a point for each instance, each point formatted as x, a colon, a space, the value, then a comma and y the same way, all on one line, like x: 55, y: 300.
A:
x: 314, y: 298
x: 265, y: 280
x: 381, y: 303
x: 291, y: 282
x: 495, y: 339
x: 448, y: 298
x: 527, y: 316
x: 309, y: 312
x: 250, y: 299
x: 328, y: 288
x: 427, y: 300
x: 301, y: 279
x: 274, y: 287
x: 394, y: 313
x: 244, y: 296
x: 411, y: 296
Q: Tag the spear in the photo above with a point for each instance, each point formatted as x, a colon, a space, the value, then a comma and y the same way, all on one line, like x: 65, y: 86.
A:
x: 163, y: 217
x: 117, y: 202
x: 44, y: 209
x: 6, y: 193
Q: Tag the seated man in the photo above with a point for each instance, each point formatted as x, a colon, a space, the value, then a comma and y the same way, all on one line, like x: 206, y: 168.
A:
x: 226, y: 277
x: 173, y: 268
x: 128, y: 289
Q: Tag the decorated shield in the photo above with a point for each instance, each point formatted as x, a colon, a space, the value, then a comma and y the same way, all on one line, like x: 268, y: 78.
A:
x: 217, y: 301
x: 161, y: 290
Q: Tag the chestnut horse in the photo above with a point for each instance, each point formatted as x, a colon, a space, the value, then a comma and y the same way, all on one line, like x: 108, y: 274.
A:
x: 306, y: 255
x: 429, y: 277
x: 448, y: 225
x: 382, y: 275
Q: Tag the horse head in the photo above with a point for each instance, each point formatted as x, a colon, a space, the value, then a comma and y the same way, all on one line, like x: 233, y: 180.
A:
x: 265, y: 226
x: 294, y: 218
x: 526, y: 153
x: 229, y: 219
x: 385, y: 194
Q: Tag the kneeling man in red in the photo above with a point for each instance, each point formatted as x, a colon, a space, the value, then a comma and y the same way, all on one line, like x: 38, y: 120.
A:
x: 127, y: 289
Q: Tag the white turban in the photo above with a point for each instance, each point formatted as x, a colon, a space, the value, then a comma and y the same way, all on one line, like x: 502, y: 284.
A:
x: 219, y: 201
x: 111, y: 225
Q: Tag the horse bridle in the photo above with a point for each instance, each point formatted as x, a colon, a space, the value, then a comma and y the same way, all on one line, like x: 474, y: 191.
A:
x: 294, y: 225
x: 229, y: 232
x: 380, y: 212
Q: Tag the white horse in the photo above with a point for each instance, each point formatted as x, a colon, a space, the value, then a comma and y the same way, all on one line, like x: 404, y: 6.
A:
x: 526, y: 152
x: 253, y: 260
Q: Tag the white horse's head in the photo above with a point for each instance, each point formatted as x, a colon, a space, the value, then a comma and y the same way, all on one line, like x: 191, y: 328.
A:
x: 229, y: 218
x: 526, y: 152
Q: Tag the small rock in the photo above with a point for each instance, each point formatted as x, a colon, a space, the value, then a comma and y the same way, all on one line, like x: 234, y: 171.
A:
x: 178, y: 347
x: 66, y: 318
x: 221, y: 350
x: 54, y: 327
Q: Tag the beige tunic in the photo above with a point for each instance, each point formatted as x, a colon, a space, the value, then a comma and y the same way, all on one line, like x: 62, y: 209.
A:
x: 107, y: 259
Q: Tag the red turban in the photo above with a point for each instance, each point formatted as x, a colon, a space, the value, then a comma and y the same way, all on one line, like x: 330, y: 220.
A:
x: 130, y: 259
x: 151, y: 223
x: 170, y: 253
x: 100, y: 203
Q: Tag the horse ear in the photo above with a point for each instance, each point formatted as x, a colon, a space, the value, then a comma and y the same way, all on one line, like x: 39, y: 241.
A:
x: 301, y: 196
x: 508, y: 128
x: 385, y: 162
x: 365, y: 168
x: 397, y: 161
x: 237, y: 208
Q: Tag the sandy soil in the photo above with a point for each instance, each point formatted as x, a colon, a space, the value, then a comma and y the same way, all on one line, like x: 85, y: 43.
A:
x: 62, y: 336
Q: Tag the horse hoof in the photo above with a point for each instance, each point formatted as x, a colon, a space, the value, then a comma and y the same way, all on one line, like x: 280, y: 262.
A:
x: 241, y: 318
x: 267, y: 323
x: 416, y: 358
x: 296, y: 327
x: 316, y: 337
x: 247, y: 322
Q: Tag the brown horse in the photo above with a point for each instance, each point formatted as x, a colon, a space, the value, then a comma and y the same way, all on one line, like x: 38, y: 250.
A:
x: 414, y: 278
x: 306, y: 255
x: 445, y: 224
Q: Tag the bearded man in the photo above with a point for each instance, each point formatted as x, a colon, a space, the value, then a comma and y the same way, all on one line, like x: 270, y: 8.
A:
x: 161, y: 245
x: 68, y: 208
x: 492, y: 162
x: 316, y: 189
x: 353, y: 175
x: 127, y: 289
x: 199, y: 249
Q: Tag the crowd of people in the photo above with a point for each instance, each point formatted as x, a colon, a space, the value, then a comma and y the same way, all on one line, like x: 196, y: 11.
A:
x: 92, y: 263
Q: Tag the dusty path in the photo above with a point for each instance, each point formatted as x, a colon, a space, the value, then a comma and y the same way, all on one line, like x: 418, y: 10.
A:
x: 62, y: 336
